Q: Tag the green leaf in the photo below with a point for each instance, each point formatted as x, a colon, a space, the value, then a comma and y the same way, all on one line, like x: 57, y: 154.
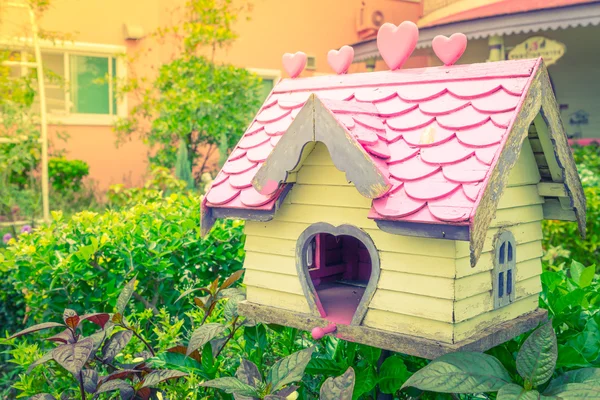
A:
x: 371, y: 354
x: 45, y: 358
x: 516, y: 392
x: 35, y: 328
x: 339, y: 388
x: 177, y: 361
x: 392, y: 375
x: 537, y: 357
x: 189, y: 291
x: 575, y: 391
x: 583, y: 276
x: 365, y: 381
x: 289, y: 369
x: 156, y: 377
x: 125, y: 295
x: 589, y: 376
x: 73, y: 357
x: 203, y: 335
x: 115, y: 344
x: 232, y: 386
x: 464, y: 372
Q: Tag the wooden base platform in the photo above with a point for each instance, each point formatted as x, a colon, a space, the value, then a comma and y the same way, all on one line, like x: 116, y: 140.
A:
x: 397, y: 342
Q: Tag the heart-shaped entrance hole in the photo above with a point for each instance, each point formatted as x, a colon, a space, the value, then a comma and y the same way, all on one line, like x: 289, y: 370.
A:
x: 339, y: 268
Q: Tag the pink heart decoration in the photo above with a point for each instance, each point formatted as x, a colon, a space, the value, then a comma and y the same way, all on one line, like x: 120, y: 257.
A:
x: 396, y: 43
x: 340, y: 60
x: 449, y: 49
x: 294, y: 63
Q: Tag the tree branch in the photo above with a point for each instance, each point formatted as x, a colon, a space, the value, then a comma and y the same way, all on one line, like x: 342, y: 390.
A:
x: 146, y: 303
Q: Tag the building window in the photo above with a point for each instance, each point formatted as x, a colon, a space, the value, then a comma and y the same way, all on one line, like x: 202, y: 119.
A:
x: 270, y: 78
x: 80, y: 81
x: 504, y: 272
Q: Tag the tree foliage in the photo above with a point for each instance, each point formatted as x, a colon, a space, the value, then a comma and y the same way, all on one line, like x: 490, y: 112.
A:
x: 194, y: 99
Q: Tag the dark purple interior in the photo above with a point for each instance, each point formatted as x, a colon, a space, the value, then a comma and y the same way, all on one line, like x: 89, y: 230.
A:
x: 340, y: 268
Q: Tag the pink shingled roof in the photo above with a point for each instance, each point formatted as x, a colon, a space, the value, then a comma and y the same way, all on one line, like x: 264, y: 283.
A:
x: 434, y: 132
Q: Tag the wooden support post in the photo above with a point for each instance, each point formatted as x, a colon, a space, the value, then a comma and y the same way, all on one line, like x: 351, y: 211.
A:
x: 384, y: 355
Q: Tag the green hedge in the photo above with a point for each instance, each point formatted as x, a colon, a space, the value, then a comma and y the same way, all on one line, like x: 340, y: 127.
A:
x: 80, y: 262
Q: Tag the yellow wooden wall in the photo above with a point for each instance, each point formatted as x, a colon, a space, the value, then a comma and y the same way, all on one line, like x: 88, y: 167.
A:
x: 426, y: 285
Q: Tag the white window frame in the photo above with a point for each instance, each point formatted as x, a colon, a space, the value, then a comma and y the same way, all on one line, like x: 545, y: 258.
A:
x: 506, y: 271
x: 68, y: 48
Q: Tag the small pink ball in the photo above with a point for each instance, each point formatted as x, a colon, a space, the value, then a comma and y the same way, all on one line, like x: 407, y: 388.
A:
x: 317, y: 333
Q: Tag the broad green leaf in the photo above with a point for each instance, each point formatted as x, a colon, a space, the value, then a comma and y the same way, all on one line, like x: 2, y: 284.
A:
x: 392, y: 375
x: 570, y: 391
x: 176, y: 361
x: 365, y: 381
x: 156, y: 377
x: 248, y: 373
x: 537, y: 357
x: 123, y: 387
x: 90, y: 380
x: 203, y: 335
x: 115, y: 344
x: 463, y: 372
x: 73, y: 357
x: 289, y: 369
x: 35, y: 328
x: 324, y: 366
x: 208, y: 361
x: 516, y: 392
x: 589, y: 376
x: 45, y: 358
x: 125, y: 295
x: 371, y: 354
x: 339, y: 388
x: 581, y: 274
x: 232, y: 386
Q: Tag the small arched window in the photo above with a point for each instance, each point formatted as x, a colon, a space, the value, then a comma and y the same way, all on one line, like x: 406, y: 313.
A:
x: 504, y: 269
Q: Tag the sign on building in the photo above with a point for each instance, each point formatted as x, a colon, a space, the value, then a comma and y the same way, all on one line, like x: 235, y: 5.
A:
x: 538, y: 46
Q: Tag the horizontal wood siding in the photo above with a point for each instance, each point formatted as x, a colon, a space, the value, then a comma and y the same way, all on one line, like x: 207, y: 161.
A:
x: 520, y: 211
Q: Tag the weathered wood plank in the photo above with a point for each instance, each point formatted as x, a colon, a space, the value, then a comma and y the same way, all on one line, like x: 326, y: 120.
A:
x: 272, y: 298
x: 415, y: 344
x: 471, y: 327
x: 482, y: 303
x: 273, y: 281
x: 525, y: 171
x: 498, y: 176
x: 409, y: 325
x: 520, y: 196
x: 473, y: 285
x: 321, y: 175
x: 554, y: 210
x: 552, y: 189
x: 337, y: 196
x: 525, y: 251
x: 550, y: 115
x: 412, y: 304
x: 270, y: 263
x: 442, y: 288
x: 523, y: 233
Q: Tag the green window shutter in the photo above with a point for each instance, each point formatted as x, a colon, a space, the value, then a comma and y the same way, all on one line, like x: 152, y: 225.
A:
x: 89, y: 88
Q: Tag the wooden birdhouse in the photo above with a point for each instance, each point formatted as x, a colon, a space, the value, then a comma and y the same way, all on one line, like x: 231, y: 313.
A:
x: 401, y: 209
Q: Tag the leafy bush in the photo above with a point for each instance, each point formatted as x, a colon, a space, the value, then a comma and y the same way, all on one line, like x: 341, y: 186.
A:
x: 67, y: 174
x: 79, y: 262
x: 467, y: 372
x: 561, y: 239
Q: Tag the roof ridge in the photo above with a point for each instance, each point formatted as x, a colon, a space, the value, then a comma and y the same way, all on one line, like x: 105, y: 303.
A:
x: 481, y: 71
